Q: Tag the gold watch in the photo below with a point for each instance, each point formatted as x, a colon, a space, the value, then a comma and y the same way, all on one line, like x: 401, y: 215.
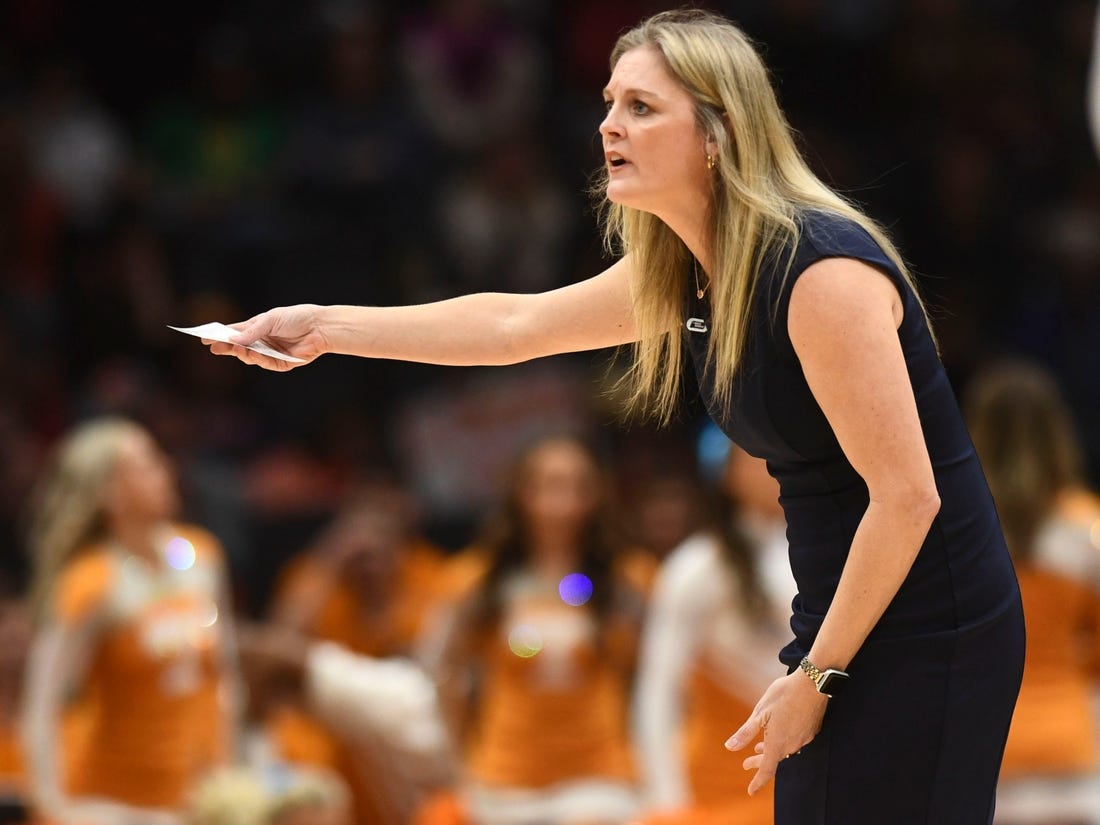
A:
x: 829, y: 682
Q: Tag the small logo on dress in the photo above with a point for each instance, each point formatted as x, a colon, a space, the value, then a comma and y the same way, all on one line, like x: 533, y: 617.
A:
x: 696, y: 325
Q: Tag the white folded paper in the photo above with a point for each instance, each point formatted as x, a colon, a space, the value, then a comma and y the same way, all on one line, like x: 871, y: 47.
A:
x: 220, y: 332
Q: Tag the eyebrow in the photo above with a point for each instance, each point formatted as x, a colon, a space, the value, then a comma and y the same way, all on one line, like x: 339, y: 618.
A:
x: 629, y: 92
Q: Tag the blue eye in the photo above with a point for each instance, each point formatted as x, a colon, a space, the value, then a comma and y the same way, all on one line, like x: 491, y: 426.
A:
x: 639, y: 108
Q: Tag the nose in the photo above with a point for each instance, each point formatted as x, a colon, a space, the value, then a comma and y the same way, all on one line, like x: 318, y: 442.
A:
x: 610, y: 126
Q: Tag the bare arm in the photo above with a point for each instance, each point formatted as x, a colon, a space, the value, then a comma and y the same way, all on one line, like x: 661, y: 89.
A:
x: 670, y: 639
x: 843, y: 324
x: 483, y: 329
x: 844, y: 329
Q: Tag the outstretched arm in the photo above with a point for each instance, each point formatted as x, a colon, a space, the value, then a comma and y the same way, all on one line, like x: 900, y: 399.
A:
x: 483, y: 329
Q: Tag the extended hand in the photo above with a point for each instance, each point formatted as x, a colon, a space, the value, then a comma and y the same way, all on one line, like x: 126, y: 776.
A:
x: 293, y: 330
x: 789, y: 716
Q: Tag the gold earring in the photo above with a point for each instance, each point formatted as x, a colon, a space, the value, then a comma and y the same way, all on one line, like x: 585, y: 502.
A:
x: 711, y: 161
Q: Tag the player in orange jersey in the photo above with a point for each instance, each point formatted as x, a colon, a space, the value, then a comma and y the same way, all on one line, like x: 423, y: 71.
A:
x: 133, y: 630
x: 535, y: 673
x: 368, y: 584
x: 1025, y: 439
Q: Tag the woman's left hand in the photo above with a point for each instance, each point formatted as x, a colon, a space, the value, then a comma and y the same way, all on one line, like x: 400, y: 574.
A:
x: 789, y: 716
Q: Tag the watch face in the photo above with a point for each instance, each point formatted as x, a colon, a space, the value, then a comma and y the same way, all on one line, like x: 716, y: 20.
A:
x: 833, y: 683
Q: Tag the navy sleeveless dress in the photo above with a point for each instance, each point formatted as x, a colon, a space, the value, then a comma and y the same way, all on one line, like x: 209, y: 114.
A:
x: 917, y: 736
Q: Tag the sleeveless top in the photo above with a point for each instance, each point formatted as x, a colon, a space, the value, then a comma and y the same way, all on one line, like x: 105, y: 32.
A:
x: 962, y: 575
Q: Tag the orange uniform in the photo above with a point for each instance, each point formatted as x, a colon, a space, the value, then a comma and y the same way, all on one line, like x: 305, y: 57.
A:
x: 553, y: 702
x: 341, y: 615
x: 544, y: 720
x: 150, y: 706
x: 1053, y: 730
x: 552, y: 696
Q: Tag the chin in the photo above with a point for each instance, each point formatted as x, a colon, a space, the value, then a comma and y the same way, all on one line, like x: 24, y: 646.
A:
x: 617, y: 196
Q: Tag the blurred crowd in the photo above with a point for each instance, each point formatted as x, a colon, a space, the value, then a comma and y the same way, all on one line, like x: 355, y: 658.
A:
x: 189, y: 163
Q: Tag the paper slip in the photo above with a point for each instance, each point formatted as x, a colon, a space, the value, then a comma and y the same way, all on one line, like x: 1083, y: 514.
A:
x: 220, y: 332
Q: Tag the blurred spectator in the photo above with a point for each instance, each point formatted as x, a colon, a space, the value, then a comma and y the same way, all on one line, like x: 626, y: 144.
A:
x: 1025, y: 438
x: 370, y: 585
x: 133, y: 645
x: 535, y: 668
x: 31, y: 230
x: 505, y: 222
x: 456, y: 440
x: 667, y: 509
x: 357, y: 165
x: 381, y: 722
x: 79, y: 150
x: 473, y: 75
x: 715, y: 626
x: 213, y: 155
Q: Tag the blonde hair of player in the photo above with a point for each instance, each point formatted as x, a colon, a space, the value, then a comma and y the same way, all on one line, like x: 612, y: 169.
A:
x: 69, y: 502
x: 760, y: 183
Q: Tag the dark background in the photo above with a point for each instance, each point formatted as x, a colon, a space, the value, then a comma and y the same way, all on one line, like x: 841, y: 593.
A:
x: 180, y: 163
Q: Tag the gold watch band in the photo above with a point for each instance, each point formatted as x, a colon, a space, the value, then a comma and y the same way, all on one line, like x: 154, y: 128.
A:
x: 810, y: 669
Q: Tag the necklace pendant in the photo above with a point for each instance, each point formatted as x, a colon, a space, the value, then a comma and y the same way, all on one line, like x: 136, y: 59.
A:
x: 699, y: 293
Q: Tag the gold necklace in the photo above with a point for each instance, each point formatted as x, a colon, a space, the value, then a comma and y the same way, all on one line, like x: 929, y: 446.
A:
x: 699, y: 291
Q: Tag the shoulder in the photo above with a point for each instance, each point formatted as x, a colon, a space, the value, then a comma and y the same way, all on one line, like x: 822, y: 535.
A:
x: 830, y: 234
x: 822, y: 235
x: 85, y: 584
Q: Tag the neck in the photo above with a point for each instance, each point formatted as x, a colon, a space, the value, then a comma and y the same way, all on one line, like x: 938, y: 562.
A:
x: 554, y: 556
x: 136, y: 535
x: 688, y: 221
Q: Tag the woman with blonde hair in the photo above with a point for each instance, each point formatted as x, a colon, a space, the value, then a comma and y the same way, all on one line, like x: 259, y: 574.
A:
x: 812, y: 350
x: 1025, y: 436
x: 133, y: 645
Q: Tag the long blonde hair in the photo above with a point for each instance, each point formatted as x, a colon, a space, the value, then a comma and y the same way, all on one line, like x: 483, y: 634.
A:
x: 760, y: 184
x: 1025, y: 438
x: 68, y: 504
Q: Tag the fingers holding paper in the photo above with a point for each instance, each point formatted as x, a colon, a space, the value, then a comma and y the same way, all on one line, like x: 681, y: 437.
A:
x: 279, y: 339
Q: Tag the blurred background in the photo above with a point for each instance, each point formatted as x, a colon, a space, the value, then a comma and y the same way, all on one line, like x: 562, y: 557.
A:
x: 204, y: 161
x: 182, y: 163
x: 198, y: 162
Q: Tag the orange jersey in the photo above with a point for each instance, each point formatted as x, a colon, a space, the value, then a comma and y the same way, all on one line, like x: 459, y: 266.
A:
x: 344, y: 617
x: 1053, y: 728
x: 150, y: 705
x: 11, y: 761
x: 552, y: 705
x: 719, y: 785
